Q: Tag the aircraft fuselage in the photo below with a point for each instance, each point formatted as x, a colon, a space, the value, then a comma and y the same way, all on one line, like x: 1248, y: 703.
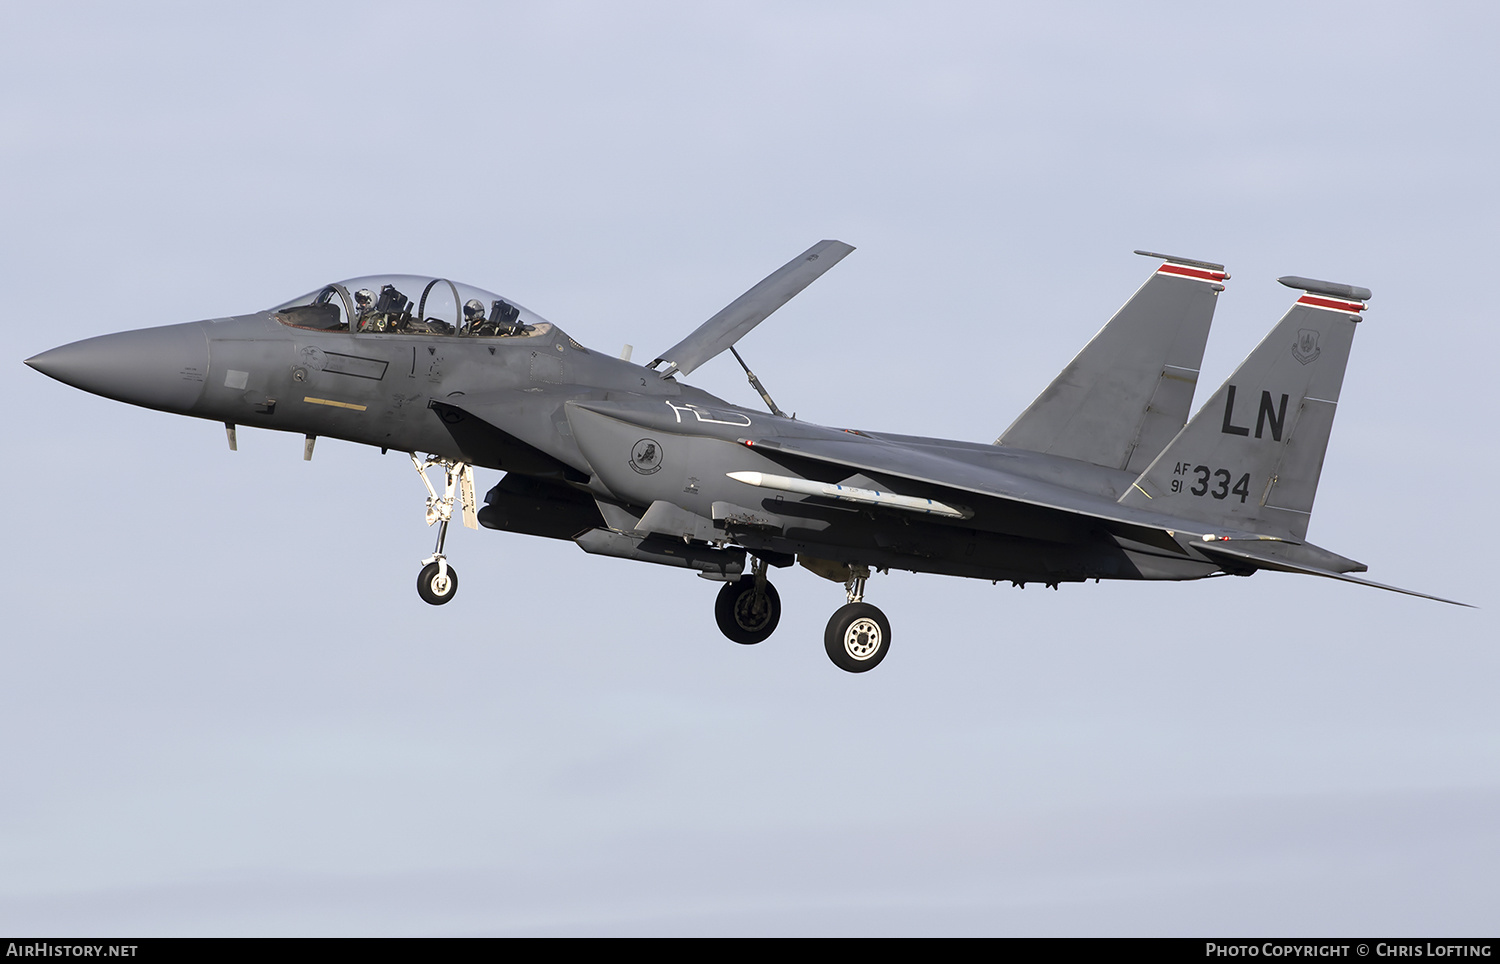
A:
x: 1104, y: 476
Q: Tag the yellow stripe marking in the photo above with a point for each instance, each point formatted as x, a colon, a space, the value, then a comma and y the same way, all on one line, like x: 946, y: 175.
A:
x: 1143, y: 491
x: 326, y: 401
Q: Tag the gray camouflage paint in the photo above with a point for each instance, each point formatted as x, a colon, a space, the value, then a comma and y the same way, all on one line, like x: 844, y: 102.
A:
x: 627, y: 461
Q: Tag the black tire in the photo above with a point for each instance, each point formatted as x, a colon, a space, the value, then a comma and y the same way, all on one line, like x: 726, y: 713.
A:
x: 432, y: 591
x: 745, y: 616
x: 857, y: 638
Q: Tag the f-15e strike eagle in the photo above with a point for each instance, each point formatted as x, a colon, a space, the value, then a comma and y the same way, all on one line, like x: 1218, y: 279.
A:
x: 1104, y: 476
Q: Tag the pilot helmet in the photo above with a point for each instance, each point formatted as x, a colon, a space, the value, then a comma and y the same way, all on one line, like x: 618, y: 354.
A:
x: 473, y: 310
x: 364, y: 298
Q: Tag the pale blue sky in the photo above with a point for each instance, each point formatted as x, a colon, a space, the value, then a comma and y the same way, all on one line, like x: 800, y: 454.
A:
x: 226, y: 712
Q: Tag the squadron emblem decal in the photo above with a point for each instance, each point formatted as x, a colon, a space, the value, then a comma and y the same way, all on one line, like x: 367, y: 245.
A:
x: 1306, y: 349
x: 645, y: 458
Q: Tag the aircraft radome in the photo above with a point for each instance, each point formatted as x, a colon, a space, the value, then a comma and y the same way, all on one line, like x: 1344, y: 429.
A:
x: 1104, y: 476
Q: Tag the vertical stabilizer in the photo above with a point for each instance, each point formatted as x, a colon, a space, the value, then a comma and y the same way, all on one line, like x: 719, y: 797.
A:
x: 1131, y: 388
x: 1251, y: 457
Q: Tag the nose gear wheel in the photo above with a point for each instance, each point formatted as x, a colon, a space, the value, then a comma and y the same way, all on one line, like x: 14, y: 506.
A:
x: 437, y: 583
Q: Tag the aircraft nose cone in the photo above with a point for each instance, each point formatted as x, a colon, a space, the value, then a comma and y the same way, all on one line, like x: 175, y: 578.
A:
x: 160, y: 368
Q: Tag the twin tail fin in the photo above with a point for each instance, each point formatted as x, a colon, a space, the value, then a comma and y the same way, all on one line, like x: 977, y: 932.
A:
x: 1250, y: 459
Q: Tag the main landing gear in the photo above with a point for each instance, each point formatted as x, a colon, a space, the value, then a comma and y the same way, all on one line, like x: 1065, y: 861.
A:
x: 438, y: 582
x: 749, y: 609
x: 858, y: 636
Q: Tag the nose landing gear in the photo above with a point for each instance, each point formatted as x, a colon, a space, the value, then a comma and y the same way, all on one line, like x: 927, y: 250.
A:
x: 858, y: 635
x: 438, y: 582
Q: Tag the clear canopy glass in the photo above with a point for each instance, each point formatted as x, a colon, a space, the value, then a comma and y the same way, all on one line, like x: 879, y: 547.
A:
x: 404, y: 304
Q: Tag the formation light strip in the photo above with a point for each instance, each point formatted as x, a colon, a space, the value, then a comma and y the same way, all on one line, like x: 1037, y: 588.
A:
x: 328, y: 401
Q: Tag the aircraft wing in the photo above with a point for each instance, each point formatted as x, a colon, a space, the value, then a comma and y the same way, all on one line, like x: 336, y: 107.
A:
x: 1038, y: 501
x: 741, y: 315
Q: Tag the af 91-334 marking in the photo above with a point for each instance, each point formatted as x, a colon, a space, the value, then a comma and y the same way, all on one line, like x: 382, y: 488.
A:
x: 1219, y: 489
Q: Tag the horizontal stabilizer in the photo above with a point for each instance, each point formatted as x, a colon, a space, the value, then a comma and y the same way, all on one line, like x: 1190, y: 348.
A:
x: 1261, y: 561
x: 1345, y: 577
x: 742, y: 314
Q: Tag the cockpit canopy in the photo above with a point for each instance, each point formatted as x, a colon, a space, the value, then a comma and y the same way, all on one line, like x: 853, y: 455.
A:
x: 404, y: 304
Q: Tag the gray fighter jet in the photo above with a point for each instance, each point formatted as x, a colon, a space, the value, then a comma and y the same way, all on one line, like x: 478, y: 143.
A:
x: 1103, y: 477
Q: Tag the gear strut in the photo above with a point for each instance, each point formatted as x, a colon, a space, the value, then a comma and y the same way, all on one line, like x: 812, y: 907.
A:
x: 440, y: 581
